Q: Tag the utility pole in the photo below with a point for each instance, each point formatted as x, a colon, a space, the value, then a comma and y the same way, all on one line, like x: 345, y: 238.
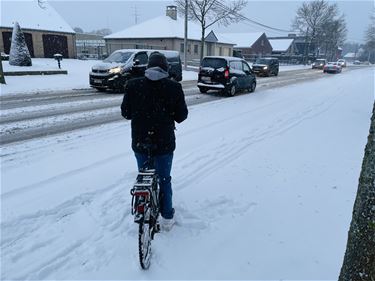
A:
x: 186, y: 33
x: 2, y: 77
x: 135, y: 14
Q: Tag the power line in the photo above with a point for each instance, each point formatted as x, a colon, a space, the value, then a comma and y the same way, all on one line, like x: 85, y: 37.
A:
x: 225, y: 8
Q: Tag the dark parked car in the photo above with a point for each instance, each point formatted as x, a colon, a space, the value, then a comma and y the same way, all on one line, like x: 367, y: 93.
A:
x: 226, y: 74
x: 319, y: 64
x: 125, y: 64
x: 266, y: 66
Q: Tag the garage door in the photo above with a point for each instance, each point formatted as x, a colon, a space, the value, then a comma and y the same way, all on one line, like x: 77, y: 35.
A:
x: 55, y: 44
x: 7, y: 39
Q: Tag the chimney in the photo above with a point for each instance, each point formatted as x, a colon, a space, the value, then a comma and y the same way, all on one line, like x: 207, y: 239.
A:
x: 172, y: 12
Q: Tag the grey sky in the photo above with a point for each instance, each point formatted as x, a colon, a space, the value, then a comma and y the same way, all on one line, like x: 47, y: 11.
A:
x: 118, y: 15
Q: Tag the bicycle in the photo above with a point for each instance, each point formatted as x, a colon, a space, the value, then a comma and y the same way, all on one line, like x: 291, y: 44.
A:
x: 146, y: 209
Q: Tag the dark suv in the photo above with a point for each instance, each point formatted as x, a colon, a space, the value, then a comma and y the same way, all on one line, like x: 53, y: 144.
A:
x: 125, y: 64
x: 319, y: 64
x: 226, y: 74
x: 266, y: 66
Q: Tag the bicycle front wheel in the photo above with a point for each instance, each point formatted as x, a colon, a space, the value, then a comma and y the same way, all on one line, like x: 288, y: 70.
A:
x: 144, y: 244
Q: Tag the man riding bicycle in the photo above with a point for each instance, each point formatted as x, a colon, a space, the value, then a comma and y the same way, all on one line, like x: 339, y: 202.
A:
x: 153, y: 104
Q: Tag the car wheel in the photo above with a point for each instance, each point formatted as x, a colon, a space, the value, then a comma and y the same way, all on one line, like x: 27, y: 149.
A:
x: 232, y: 90
x: 252, y: 87
x: 203, y: 90
x: 276, y: 72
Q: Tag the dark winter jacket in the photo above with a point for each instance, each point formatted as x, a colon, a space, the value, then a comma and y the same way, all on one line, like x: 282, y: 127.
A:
x: 153, y: 107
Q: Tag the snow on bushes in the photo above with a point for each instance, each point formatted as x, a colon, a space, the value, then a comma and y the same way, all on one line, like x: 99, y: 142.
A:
x: 19, y: 53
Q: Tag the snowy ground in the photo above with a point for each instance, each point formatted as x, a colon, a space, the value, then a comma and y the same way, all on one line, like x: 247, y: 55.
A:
x: 77, y: 77
x: 264, y: 186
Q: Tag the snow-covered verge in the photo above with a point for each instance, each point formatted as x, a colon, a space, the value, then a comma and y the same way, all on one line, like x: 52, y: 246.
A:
x: 77, y: 77
x: 264, y: 186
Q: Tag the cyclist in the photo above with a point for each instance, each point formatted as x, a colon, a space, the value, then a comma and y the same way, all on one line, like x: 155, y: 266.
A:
x: 153, y: 104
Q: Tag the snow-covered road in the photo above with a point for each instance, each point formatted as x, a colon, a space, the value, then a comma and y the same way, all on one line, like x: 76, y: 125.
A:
x: 264, y: 186
x: 35, y: 115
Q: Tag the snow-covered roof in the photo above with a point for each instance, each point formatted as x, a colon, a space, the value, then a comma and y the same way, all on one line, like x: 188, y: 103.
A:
x: 160, y: 27
x: 350, y: 55
x: 241, y: 40
x: 31, y: 16
x: 280, y: 44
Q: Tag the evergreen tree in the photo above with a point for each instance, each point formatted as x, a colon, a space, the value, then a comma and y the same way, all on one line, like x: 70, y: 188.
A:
x: 19, y: 53
x: 359, y: 260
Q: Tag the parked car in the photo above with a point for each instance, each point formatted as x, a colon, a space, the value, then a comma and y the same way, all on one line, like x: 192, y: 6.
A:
x: 125, y: 64
x: 266, y: 66
x: 319, y: 64
x: 342, y: 62
x: 357, y: 62
x: 332, y: 67
x: 226, y: 74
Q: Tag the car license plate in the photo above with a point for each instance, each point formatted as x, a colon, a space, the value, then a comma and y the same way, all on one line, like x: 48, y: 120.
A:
x: 206, y: 79
x: 98, y: 81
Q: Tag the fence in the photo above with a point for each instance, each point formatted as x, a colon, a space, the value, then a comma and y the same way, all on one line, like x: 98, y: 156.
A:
x: 91, y: 49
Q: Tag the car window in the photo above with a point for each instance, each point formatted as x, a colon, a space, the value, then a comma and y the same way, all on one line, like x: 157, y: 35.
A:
x: 119, y: 57
x: 235, y: 65
x: 246, y: 67
x: 262, y: 61
x: 142, y: 57
x: 214, y: 63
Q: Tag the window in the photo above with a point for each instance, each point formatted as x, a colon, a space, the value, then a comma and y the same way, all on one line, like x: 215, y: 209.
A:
x: 246, y: 67
x: 214, y: 63
x: 189, y: 48
x: 195, y: 49
x: 182, y: 47
x: 220, y: 51
x: 237, y: 65
x: 142, y: 57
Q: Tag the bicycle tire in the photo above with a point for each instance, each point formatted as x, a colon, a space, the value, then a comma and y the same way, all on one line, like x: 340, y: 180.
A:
x: 144, y: 244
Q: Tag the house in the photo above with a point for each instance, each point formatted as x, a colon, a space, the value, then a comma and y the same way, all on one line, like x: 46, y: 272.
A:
x: 351, y: 57
x: 282, y: 46
x: 46, y: 33
x: 250, y: 45
x: 167, y: 33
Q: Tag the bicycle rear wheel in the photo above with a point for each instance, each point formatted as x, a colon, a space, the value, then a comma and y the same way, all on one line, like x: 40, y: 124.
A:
x: 144, y: 244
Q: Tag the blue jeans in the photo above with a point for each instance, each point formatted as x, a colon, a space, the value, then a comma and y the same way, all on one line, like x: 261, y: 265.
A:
x: 163, y: 165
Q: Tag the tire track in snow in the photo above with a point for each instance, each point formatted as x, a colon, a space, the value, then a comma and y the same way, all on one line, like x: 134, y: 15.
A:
x: 229, y: 149
x: 74, y: 227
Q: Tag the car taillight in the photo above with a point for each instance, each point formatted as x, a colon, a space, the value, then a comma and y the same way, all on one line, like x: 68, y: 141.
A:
x: 226, y: 73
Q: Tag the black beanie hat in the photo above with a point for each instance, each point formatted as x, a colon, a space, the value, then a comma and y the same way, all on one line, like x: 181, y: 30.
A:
x: 158, y: 59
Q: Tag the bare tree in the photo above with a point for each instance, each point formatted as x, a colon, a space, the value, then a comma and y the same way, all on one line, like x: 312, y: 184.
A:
x: 318, y: 21
x: 210, y: 12
x: 333, y: 36
x: 359, y: 260
x: 370, y: 38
